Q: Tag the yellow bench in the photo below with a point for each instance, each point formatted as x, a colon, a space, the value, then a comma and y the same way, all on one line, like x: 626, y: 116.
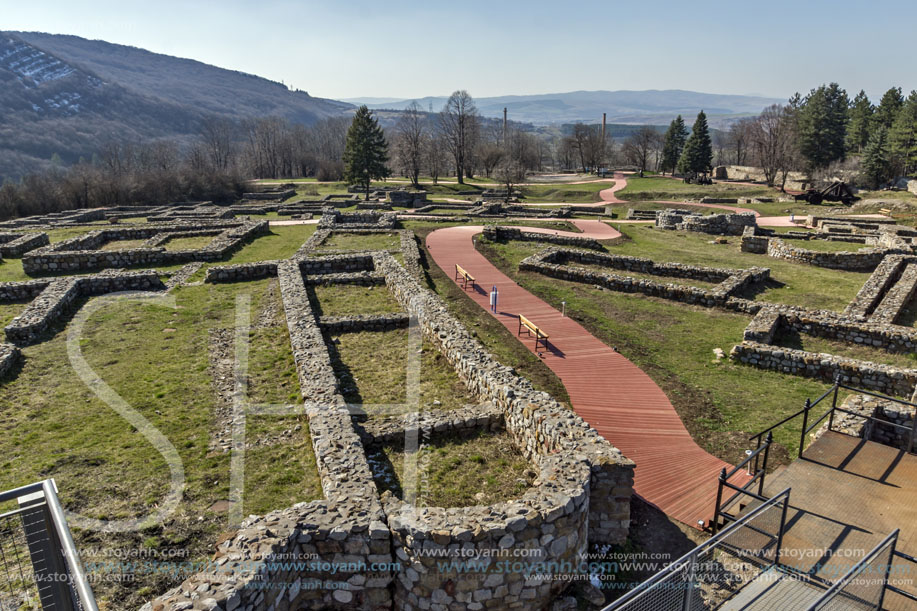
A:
x: 464, y: 276
x: 885, y: 211
x: 533, y: 329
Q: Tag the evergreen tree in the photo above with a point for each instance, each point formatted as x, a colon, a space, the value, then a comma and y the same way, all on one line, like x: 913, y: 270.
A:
x: 875, y: 158
x: 822, y: 126
x: 673, y: 144
x: 903, y: 138
x: 697, y: 155
x: 861, y: 116
x: 366, y: 151
x: 889, y: 107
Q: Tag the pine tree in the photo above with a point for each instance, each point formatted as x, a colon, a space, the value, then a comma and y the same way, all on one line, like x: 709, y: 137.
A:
x: 673, y: 144
x: 875, y: 158
x: 861, y: 116
x: 822, y: 126
x: 889, y: 107
x: 697, y: 155
x: 366, y: 151
x: 902, y: 138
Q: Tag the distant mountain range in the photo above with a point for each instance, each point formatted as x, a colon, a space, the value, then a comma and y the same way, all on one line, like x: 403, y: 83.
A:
x: 66, y: 95
x: 639, y: 107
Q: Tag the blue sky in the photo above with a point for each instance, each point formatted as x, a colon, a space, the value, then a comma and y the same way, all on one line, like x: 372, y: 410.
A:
x: 396, y: 48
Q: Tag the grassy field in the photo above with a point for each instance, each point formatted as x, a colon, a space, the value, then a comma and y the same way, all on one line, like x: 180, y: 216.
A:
x: 372, y: 369
x: 192, y: 243
x: 456, y: 471
x: 359, y: 241
x: 349, y: 300
x: 156, y: 358
x: 791, y: 283
x: 123, y: 244
x: 720, y: 402
x: 585, y: 193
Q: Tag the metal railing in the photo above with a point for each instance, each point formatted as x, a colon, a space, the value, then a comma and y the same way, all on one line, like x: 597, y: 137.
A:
x: 39, y: 564
x: 833, y: 392
x: 864, y: 585
x: 716, y: 569
x: 756, y: 479
x: 908, y: 561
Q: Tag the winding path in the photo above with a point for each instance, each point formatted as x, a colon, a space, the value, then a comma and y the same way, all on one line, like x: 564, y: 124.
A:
x: 608, y: 391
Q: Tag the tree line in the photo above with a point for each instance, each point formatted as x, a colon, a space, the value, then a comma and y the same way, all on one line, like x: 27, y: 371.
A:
x: 818, y: 134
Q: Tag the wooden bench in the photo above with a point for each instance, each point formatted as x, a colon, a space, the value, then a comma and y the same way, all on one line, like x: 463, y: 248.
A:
x: 464, y: 276
x: 532, y: 329
x: 885, y: 211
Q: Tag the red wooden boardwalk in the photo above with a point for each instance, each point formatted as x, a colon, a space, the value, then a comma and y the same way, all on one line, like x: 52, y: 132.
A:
x: 608, y: 391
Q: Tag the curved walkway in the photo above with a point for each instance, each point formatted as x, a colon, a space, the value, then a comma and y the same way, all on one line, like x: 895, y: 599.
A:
x: 608, y: 391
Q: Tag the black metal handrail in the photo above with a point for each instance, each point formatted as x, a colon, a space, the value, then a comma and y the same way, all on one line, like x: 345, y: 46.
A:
x: 907, y: 557
x: 855, y: 570
x: 757, y: 477
x: 808, y: 427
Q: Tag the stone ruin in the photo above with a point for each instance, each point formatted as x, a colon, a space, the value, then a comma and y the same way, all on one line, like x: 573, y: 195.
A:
x: 869, y: 320
x: 716, y: 224
x: 580, y: 496
x: 85, y: 252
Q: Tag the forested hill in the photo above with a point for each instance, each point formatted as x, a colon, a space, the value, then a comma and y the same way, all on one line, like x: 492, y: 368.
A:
x: 67, y: 96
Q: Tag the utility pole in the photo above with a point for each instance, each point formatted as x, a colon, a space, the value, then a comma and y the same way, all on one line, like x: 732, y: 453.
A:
x: 504, y: 126
x: 602, y: 160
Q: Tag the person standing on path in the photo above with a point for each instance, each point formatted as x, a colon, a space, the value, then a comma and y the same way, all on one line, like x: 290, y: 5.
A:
x: 493, y: 299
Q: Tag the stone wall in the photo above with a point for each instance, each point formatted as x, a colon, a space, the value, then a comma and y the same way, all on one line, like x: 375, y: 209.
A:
x: 497, y: 233
x: 332, y: 219
x: 875, y: 419
x: 22, y: 291
x: 15, y: 244
x: 555, y: 262
x: 58, y: 296
x: 716, y: 224
x: 581, y: 494
x: 885, y: 276
x: 81, y: 254
x: 897, y: 297
x: 861, y: 374
x: 864, y: 259
x: 363, y: 322
x: 10, y: 356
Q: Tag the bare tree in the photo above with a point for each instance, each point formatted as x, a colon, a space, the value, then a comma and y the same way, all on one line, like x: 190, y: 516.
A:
x: 219, y: 142
x: 639, y: 148
x: 410, y: 138
x: 436, y: 156
x: 458, y: 122
x: 739, y: 140
x: 772, y: 137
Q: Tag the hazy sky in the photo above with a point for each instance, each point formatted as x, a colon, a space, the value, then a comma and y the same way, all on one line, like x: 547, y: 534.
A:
x: 397, y: 48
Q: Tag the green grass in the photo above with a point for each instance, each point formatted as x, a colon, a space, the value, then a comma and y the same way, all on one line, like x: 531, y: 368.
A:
x: 455, y: 471
x: 349, y: 299
x: 826, y: 245
x: 11, y: 271
x: 9, y: 311
x: 280, y: 468
x: 660, y: 188
x: 640, y: 276
x: 281, y: 243
x: 809, y: 343
x: 791, y: 283
x: 123, y: 244
x: 156, y: 358
x: 372, y: 368
x: 720, y: 402
x: 192, y: 243
x: 582, y: 194
x: 361, y: 241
